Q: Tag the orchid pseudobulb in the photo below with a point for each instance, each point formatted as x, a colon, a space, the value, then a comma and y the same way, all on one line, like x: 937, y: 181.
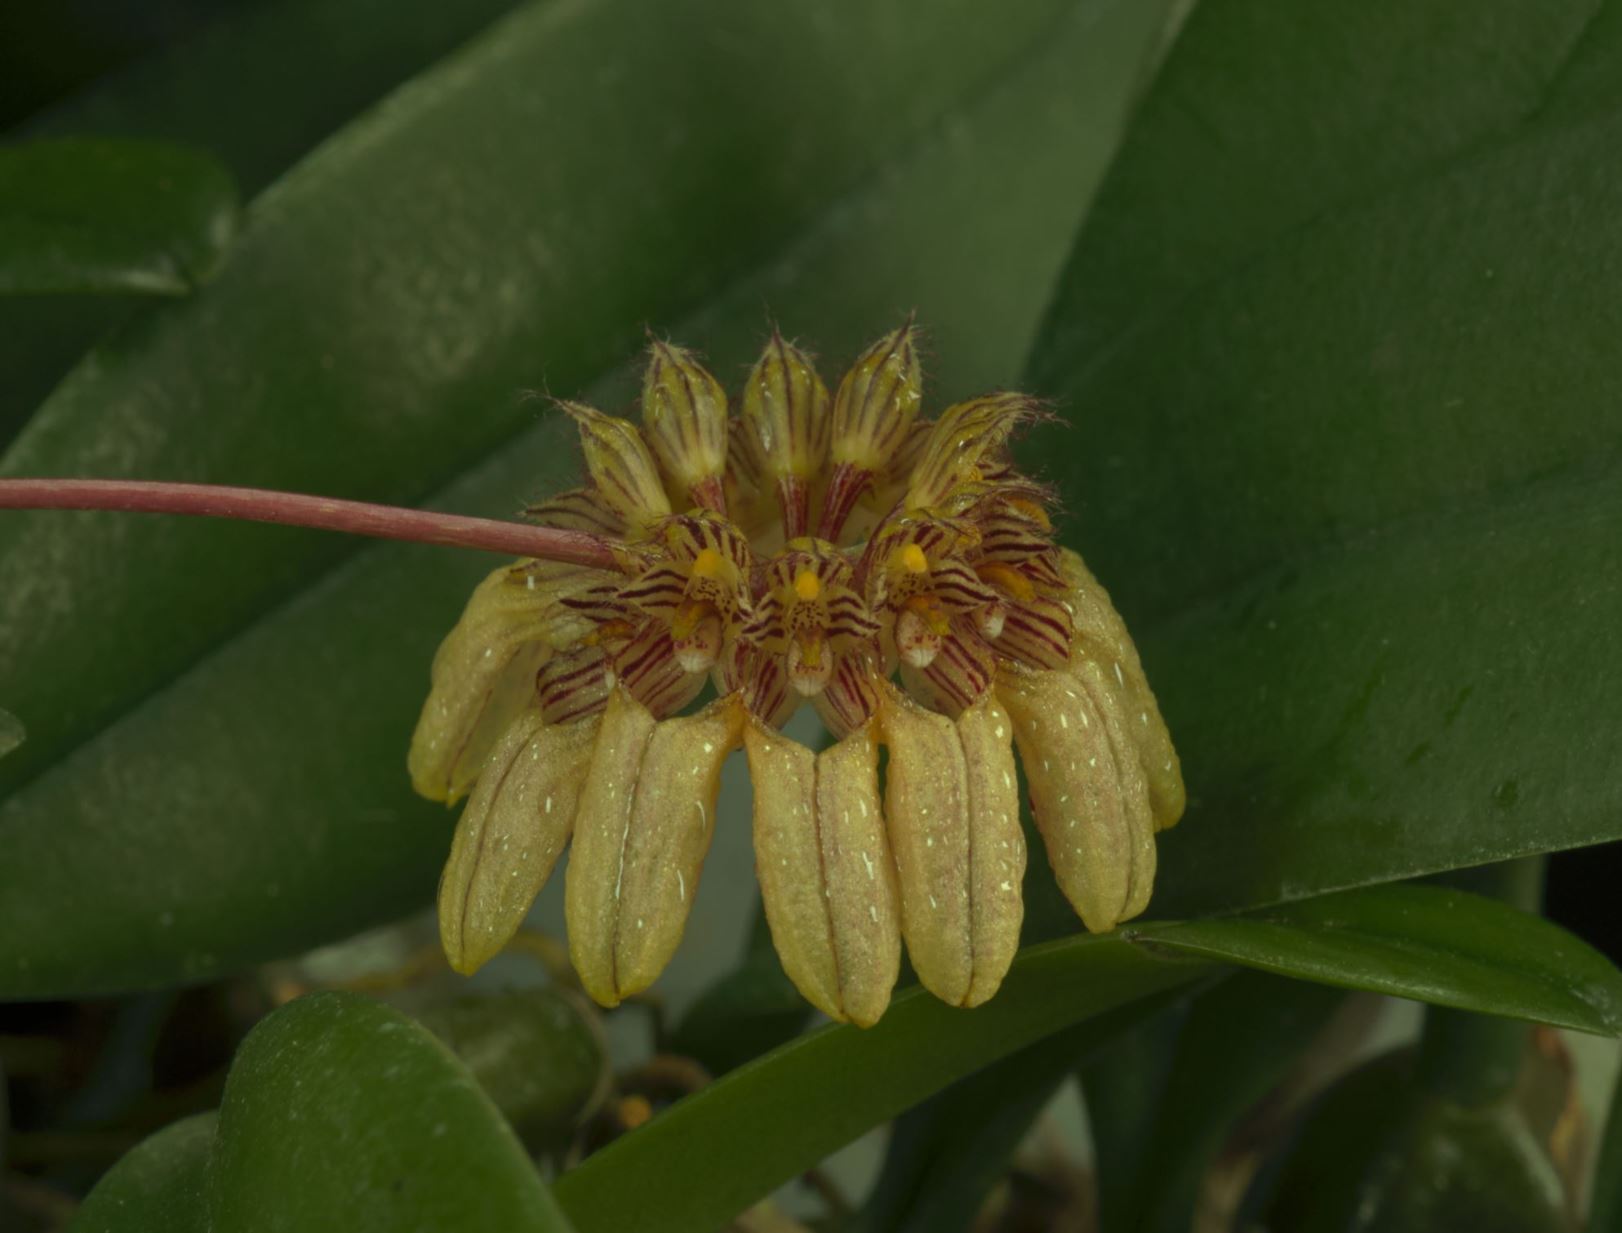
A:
x: 895, y: 572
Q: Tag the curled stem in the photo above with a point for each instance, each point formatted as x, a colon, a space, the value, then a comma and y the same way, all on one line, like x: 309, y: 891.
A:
x: 298, y: 510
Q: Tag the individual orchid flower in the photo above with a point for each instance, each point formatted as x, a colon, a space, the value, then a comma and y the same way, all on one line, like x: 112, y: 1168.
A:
x: 931, y: 617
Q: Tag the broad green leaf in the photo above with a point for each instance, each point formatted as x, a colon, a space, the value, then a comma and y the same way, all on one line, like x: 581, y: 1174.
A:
x: 115, y: 216
x: 945, y: 1155
x: 226, y: 91
x: 1425, y: 942
x: 537, y: 1053
x: 340, y: 1113
x: 160, y: 1186
x: 1346, y: 386
x: 261, y: 793
x: 707, y: 1158
x: 1239, y: 1041
x: 714, y: 1153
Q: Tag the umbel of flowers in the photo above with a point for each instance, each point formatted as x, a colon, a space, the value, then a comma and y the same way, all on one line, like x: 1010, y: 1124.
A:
x: 896, y: 573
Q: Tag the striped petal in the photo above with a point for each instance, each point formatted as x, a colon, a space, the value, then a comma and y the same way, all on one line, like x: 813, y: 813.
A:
x: 826, y: 878
x: 646, y: 815
x: 510, y: 835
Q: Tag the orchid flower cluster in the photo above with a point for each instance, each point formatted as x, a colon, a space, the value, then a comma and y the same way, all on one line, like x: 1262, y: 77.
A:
x: 896, y: 573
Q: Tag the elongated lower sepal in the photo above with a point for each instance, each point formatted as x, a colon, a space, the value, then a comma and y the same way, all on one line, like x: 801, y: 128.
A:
x: 1084, y: 813
x: 643, y: 829
x: 952, y: 816
x: 1101, y: 634
x: 826, y: 876
x: 510, y: 835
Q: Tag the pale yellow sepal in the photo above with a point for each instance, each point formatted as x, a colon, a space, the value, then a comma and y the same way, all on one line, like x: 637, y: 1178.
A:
x: 827, y: 881
x: 483, y: 675
x: 646, y: 816
x: 1094, y: 819
x: 1102, y: 636
x: 510, y: 835
x: 952, y: 811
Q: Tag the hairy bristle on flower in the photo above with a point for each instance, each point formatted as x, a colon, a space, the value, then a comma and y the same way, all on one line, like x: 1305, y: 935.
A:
x: 932, y: 617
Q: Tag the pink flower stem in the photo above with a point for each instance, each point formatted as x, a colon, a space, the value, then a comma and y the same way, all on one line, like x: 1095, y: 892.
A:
x: 322, y: 513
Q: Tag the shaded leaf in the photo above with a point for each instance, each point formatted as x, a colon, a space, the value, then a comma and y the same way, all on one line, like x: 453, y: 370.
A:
x: 224, y: 90
x: 537, y: 1053
x: 1376, y: 1153
x: 1605, y: 1203
x: 945, y: 1155
x: 714, y: 1153
x: 1239, y: 1041
x: 710, y: 1156
x: 160, y: 1186
x: 133, y: 217
x: 341, y: 1113
x: 263, y: 791
x: 1120, y: 1089
x: 1344, y: 358
x: 1424, y: 942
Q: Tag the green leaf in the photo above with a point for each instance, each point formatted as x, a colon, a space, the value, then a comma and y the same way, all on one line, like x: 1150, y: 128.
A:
x: 537, y: 1053
x: 1342, y: 343
x: 1239, y: 1041
x: 340, y: 1113
x: 1430, y: 943
x: 945, y: 1155
x: 1120, y: 1087
x: 160, y: 1186
x: 707, y: 1158
x: 226, y: 91
x: 248, y: 752
x: 130, y: 217
x: 1377, y: 1152
x: 716, y: 1152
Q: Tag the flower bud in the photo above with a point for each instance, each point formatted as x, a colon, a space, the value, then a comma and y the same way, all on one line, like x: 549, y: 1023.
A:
x: 872, y: 416
x: 786, y: 422
x: 620, y: 465
x: 684, y: 410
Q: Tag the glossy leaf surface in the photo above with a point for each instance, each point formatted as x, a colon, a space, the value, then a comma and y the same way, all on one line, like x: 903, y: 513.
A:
x: 263, y: 788
x: 1424, y: 942
x: 1339, y: 357
x: 132, y: 217
x: 341, y: 1113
